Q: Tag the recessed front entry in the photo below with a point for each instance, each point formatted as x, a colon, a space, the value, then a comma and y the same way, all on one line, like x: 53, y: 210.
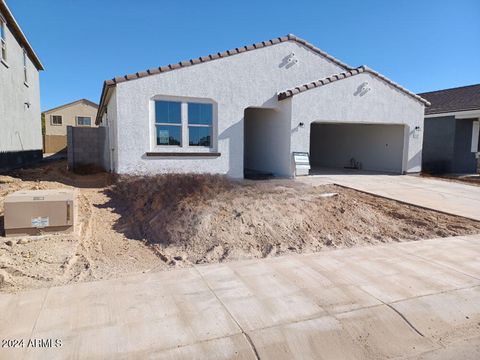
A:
x: 367, y: 147
x: 266, y: 144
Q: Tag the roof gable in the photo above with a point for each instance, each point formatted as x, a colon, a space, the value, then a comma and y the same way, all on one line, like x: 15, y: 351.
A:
x: 362, y: 69
x: 84, y: 101
x: 216, y: 56
x: 203, y: 59
x: 452, y: 100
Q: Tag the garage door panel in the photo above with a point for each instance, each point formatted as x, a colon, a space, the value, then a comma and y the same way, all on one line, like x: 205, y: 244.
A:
x: 377, y: 147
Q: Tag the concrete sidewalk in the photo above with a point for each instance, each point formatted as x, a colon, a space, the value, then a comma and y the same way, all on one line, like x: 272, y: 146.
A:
x: 408, y: 300
x: 441, y: 195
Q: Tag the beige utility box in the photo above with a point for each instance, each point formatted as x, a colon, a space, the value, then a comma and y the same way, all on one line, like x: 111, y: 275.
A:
x: 34, y: 212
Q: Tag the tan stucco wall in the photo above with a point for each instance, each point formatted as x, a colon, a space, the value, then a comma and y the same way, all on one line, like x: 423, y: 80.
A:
x: 54, y: 143
x: 69, y: 115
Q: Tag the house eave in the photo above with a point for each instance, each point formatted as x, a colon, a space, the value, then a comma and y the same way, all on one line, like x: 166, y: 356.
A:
x: 459, y: 114
x: 18, y: 33
x: 202, y: 59
x: 340, y: 76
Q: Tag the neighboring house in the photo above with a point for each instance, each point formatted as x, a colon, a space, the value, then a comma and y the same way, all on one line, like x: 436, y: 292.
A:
x: 20, y: 125
x: 450, y: 139
x: 253, y: 107
x: 78, y: 113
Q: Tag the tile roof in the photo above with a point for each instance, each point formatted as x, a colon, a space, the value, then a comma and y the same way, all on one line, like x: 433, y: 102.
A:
x: 343, y: 75
x: 18, y: 33
x: 452, y: 100
x: 290, y: 37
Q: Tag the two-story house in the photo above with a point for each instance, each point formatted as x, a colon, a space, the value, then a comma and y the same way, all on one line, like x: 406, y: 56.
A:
x: 77, y: 113
x: 21, y: 131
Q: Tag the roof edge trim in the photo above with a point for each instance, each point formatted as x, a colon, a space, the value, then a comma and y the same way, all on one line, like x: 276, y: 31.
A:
x: 15, y: 28
x: 91, y: 103
x: 343, y: 75
x: 202, y: 59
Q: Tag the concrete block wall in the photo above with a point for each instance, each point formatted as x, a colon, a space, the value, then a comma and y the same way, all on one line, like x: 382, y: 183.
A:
x: 86, y: 146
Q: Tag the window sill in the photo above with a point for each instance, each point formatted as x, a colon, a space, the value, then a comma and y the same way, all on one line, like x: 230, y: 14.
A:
x: 5, y: 63
x: 182, y: 154
x: 26, y: 84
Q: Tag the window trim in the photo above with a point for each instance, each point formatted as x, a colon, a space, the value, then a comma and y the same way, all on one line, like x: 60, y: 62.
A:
x: 3, y: 41
x: 200, y: 126
x: 25, y: 68
x: 180, y: 125
x: 51, y: 120
x: 83, y: 116
x: 185, y: 143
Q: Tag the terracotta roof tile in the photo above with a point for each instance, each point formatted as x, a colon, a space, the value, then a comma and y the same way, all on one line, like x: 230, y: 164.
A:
x: 154, y: 71
x: 362, y: 69
x: 259, y: 45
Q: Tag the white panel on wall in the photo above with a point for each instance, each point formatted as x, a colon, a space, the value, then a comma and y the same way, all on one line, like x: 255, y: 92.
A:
x: 475, y: 135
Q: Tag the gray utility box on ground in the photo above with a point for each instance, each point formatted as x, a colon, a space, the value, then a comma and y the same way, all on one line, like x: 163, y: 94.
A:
x: 34, y: 212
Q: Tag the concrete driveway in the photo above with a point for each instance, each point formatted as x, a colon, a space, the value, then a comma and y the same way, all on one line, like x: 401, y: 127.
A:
x: 416, y: 300
x: 441, y: 195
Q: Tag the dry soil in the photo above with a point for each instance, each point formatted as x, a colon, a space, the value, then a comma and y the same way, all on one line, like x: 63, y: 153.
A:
x: 141, y: 224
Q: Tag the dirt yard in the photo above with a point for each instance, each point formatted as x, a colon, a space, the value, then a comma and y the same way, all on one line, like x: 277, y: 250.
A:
x: 139, y: 224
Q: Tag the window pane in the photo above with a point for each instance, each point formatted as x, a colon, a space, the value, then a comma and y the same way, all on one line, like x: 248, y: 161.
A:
x: 200, y: 114
x: 169, y: 135
x: 84, y: 120
x: 199, y: 136
x: 168, y: 112
x: 4, y: 49
x: 56, y: 120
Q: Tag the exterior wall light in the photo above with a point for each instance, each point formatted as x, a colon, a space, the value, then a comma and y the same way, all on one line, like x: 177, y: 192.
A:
x: 301, y: 124
x: 416, y: 132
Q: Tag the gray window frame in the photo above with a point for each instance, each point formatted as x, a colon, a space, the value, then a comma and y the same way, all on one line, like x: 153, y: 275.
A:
x: 81, y: 116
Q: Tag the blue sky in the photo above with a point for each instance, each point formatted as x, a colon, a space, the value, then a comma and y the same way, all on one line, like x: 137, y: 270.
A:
x: 421, y: 44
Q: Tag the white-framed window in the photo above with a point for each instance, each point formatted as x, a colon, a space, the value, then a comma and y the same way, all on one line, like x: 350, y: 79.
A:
x: 25, y: 73
x: 200, y: 124
x: 184, y: 122
x: 168, y: 123
x: 3, y: 39
x: 56, y: 119
x: 84, y: 121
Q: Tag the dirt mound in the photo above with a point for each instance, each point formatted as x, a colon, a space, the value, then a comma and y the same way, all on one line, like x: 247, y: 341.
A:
x: 147, y: 224
x: 205, y: 218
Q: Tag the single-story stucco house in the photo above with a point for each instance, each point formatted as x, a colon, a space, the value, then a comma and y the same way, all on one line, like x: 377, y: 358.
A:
x: 450, y: 138
x: 260, y: 108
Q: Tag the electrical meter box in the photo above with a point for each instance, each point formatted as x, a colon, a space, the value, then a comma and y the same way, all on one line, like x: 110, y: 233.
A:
x: 34, y: 212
